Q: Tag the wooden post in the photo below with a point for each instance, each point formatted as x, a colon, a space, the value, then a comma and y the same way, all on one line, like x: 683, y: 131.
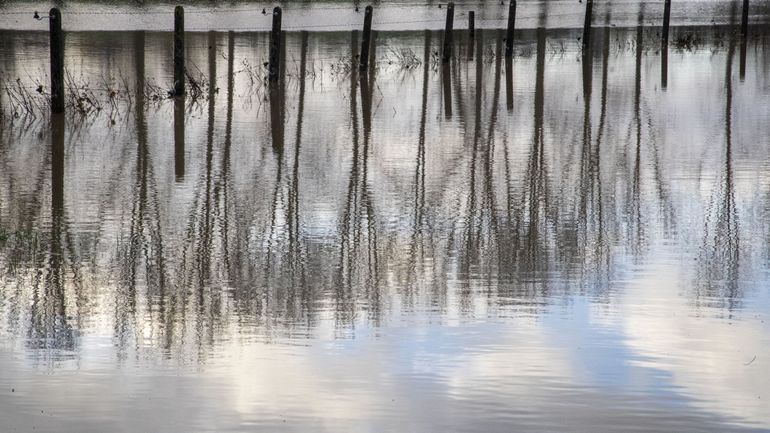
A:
x: 666, y: 20
x: 509, y: 33
x: 745, y: 19
x: 587, y: 23
x: 179, y: 77
x: 57, y: 61
x: 471, y: 23
x: 450, y: 16
x: 664, y: 45
x: 363, y: 61
x: 275, y: 45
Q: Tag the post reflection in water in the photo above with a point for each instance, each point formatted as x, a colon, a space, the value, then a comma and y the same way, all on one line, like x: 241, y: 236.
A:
x: 394, y: 236
x: 179, y: 151
x: 50, y: 329
x: 446, y: 80
x: 720, y: 253
x: 533, y: 248
x: 509, y: 83
x: 742, y: 67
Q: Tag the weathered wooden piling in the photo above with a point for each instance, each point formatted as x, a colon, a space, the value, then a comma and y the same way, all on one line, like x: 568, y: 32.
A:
x: 450, y: 16
x: 179, y: 76
x: 509, y: 31
x: 745, y: 19
x: 275, y: 45
x: 664, y: 45
x: 363, y: 61
x: 57, y: 61
x: 666, y: 21
x: 471, y: 24
x: 587, y: 23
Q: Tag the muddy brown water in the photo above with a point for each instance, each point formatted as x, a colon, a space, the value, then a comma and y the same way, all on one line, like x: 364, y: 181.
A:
x: 558, y: 243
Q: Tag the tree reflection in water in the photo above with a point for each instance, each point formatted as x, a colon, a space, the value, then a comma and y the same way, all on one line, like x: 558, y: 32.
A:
x: 386, y: 199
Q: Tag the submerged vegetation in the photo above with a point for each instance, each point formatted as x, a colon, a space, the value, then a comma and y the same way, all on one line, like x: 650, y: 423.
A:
x: 403, y: 57
x: 687, y: 41
x: 86, y: 99
x: 112, y: 96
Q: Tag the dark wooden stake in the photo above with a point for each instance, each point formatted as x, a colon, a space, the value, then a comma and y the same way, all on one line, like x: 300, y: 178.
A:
x: 57, y: 62
x: 450, y: 17
x: 587, y: 23
x: 275, y: 45
x: 666, y: 20
x: 664, y: 45
x: 471, y: 23
x: 509, y: 32
x: 179, y: 51
x: 363, y: 61
x: 745, y: 19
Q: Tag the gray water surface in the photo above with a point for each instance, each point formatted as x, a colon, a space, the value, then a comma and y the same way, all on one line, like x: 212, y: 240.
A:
x: 558, y: 243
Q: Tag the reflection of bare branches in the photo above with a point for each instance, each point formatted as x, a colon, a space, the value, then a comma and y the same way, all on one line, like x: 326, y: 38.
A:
x: 720, y: 253
x: 296, y: 244
x: 600, y: 251
x: 534, y: 247
x: 480, y: 223
x: 635, y: 202
x: 420, y: 239
x: 242, y: 231
x: 358, y: 214
x: 50, y: 327
x: 144, y: 245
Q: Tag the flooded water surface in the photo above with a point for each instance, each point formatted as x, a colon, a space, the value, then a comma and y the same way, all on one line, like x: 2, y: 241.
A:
x: 572, y: 240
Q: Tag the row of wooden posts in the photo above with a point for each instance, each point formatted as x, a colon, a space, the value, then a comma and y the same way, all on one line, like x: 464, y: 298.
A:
x: 57, y: 43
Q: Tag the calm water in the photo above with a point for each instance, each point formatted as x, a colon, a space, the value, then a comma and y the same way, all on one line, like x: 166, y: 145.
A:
x: 556, y: 243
